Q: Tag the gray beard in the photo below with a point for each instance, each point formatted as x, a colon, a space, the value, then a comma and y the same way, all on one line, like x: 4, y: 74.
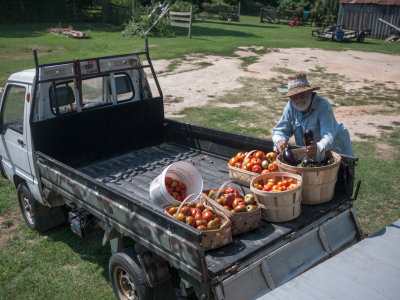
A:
x: 303, y: 105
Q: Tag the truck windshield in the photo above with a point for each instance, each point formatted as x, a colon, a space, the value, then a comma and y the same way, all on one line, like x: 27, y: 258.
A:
x: 13, y: 108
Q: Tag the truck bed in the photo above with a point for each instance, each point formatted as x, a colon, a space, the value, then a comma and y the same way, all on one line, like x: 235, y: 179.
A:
x: 114, y: 188
x: 132, y: 173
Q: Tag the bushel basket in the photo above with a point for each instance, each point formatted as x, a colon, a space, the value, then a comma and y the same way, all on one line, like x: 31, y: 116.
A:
x: 211, y: 239
x: 318, y: 182
x: 241, y: 222
x: 278, y: 206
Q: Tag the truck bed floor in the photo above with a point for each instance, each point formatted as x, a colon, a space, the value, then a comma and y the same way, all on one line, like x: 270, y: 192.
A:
x: 132, y: 173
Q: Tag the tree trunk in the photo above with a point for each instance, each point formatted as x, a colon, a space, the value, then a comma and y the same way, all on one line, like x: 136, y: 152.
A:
x: 106, y: 10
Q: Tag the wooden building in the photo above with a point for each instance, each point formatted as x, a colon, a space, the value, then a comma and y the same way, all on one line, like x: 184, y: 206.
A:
x: 365, y: 14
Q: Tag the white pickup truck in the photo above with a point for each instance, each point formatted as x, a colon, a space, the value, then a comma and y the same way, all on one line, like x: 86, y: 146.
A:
x: 82, y: 140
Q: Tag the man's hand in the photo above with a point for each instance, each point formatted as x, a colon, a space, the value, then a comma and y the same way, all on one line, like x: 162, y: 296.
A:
x: 281, y: 145
x: 311, y: 150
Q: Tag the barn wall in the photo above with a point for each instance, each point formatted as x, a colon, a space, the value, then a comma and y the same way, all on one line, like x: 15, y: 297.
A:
x: 366, y: 16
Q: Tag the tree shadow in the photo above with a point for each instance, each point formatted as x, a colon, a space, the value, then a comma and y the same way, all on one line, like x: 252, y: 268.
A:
x: 40, y: 29
x: 201, y: 32
x: 238, y: 24
x: 89, y: 248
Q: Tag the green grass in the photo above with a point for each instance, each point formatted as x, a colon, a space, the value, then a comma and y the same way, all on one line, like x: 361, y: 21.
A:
x: 58, y: 264
x: 209, y: 37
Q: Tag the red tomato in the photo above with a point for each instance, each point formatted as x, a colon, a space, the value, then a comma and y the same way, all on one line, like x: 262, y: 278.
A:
x: 185, y: 210
x: 237, y: 201
x: 247, y: 168
x: 285, y: 183
x: 250, y: 155
x: 271, y: 156
x: 267, y: 187
x: 207, y: 216
x: 183, y: 195
x: 256, y: 169
x: 168, y: 181
x: 200, y: 222
x: 233, y: 161
x: 259, y: 155
x: 256, y: 161
x: 195, y: 211
x: 265, y: 171
x: 292, y: 186
x: 240, y: 156
x: 228, y: 199
x: 246, y: 161
x: 273, y: 167
x: 238, y: 165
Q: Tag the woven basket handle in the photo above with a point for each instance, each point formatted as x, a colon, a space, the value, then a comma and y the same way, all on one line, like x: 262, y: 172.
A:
x: 248, y: 154
x: 184, y: 202
x: 224, y: 184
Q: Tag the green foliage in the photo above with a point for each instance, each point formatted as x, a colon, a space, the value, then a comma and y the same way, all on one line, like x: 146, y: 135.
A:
x: 251, y: 8
x: 325, y: 12
x: 182, y: 6
x: 217, y: 7
x: 141, y: 22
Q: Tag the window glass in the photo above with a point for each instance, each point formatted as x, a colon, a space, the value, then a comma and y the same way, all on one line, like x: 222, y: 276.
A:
x: 13, y: 109
x: 63, y: 99
x: 93, y: 93
x: 123, y: 87
x: 96, y: 91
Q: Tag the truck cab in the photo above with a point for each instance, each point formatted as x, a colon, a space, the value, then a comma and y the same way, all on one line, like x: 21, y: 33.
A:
x: 15, y: 146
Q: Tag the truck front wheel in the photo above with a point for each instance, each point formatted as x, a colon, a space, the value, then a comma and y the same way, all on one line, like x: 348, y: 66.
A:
x: 127, y: 277
x: 38, y: 216
x: 28, y: 206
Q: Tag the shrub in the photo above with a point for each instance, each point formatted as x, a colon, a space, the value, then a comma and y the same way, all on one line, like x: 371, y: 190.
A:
x: 140, y: 23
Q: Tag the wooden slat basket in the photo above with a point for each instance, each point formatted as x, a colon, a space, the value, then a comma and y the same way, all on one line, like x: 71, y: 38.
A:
x: 212, y: 239
x: 318, y: 182
x: 241, y: 222
x: 278, y: 206
x: 241, y: 176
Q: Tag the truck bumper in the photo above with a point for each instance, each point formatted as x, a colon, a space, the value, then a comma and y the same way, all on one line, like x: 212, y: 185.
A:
x: 305, y: 249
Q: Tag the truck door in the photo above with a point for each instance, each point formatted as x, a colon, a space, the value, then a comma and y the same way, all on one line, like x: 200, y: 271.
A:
x: 14, y: 146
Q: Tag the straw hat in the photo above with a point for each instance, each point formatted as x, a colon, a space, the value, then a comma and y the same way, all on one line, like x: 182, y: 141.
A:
x: 298, y: 84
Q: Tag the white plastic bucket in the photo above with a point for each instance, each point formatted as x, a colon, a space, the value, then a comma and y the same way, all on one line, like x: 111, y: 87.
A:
x: 182, y: 171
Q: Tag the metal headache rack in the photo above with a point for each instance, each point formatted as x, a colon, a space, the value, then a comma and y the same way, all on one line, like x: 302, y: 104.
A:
x: 81, y: 69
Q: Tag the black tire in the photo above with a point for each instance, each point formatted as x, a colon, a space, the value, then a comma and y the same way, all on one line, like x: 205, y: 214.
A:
x: 361, y: 37
x: 127, y: 277
x: 28, y: 206
x: 36, y: 215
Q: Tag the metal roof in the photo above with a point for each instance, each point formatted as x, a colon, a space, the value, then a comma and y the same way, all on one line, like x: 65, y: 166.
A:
x: 368, y: 270
x: 377, y: 2
x: 26, y: 76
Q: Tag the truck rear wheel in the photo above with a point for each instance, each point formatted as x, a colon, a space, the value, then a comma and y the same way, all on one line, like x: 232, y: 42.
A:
x: 127, y: 277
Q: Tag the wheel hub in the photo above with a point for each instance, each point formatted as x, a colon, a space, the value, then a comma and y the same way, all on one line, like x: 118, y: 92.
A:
x: 28, y: 209
x: 125, y: 284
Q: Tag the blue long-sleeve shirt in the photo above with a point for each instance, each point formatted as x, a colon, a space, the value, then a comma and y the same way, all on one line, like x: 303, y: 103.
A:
x: 329, y: 134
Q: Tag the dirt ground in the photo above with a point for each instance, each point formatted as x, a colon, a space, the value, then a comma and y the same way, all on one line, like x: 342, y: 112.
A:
x: 193, y: 85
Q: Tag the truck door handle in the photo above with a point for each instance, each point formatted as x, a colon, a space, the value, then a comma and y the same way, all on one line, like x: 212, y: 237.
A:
x: 21, y: 142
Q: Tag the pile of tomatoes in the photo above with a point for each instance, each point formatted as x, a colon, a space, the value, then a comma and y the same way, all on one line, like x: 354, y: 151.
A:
x: 272, y: 186
x: 196, y: 215
x: 257, y: 162
x: 175, y: 188
x: 233, y: 201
